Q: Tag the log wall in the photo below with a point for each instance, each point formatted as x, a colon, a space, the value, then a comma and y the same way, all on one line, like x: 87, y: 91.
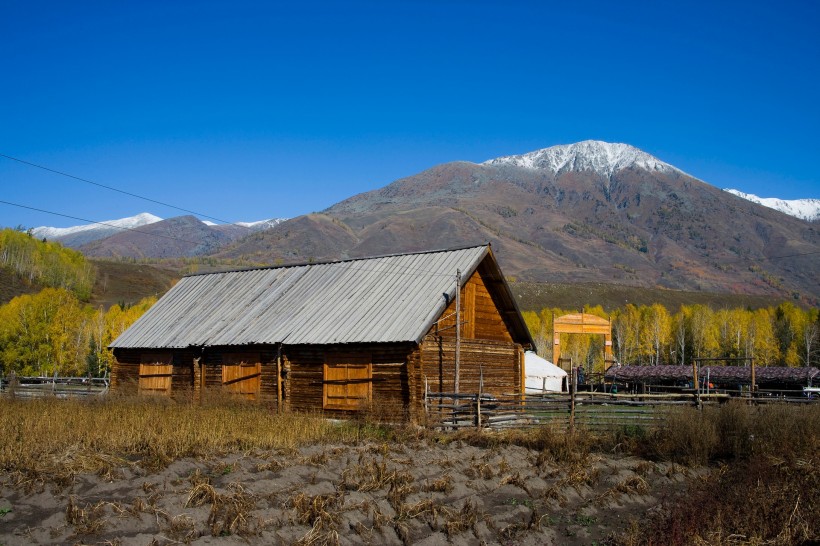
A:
x: 215, y: 357
x: 193, y: 370
x: 303, y: 368
x: 500, y: 364
x: 125, y: 372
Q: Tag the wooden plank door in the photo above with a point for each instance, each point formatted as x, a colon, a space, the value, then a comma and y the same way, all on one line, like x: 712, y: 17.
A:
x: 156, y: 370
x: 241, y: 376
x: 348, y: 382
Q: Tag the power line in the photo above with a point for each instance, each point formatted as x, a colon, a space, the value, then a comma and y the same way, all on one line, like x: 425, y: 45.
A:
x: 347, y: 265
x: 61, y: 173
x: 100, y: 223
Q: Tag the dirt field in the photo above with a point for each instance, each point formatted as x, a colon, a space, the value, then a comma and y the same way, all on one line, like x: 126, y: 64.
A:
x: 148, y: 471
x: 370, y: 493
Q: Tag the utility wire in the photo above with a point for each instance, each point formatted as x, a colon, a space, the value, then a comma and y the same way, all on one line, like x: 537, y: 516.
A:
x: 100, y: 223
x: 346, y: 265
x: 117, y: 190
x: 739, y: 259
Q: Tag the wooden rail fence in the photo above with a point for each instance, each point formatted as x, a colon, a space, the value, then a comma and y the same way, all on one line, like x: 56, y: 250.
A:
x: 595, y: 411
x: 59, y: 387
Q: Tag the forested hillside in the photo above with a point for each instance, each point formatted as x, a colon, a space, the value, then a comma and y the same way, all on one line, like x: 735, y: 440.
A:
x: 46, y: 324
x: 54, y: 332
x: 46, y: 264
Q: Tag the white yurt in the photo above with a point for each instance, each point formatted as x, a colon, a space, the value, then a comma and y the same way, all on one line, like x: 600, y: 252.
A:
x: 542, y: 375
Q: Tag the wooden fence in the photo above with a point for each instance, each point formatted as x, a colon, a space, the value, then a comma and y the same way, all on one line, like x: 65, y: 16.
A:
x: 59, y: 387
x: 590, y: 410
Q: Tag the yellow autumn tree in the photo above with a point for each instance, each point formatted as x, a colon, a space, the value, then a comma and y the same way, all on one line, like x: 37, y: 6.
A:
x: 534, y: 325
x: 703, y: 329
x: 49, y: 264
x: 655, y: 333
x: 626, y: 327
x: 110, y: 324
x: 44, y: 333
x: 764, y: 347
x: 788, y: 321
x: 808, y: 336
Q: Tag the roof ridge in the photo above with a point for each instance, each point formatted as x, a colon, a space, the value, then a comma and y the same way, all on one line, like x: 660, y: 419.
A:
x: 346, y: 260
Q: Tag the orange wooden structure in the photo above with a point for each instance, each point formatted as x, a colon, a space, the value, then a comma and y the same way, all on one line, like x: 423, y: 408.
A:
x: 582, y: 323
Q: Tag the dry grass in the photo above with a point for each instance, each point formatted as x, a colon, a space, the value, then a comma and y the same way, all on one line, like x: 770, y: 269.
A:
x: 87, y: 519
x: 309, y: 508
x: 52, y: 440
x: 766, y: 489
x: 321, y: 513
x: 371, y: 475
x: 444, y: 484
x: 735, y: 431
x: 463, y: 520
x: 762, y: 500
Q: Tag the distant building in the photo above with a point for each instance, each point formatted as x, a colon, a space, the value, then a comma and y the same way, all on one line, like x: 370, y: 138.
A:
x: 338, y: 337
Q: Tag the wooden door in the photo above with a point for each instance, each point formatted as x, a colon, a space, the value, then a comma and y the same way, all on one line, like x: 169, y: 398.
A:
x: 155, y: 373
x: 348, y: 382
x: 241, y: 375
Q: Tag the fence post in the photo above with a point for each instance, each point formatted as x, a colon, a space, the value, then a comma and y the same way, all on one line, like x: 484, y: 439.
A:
x: 573, y: 388
x: 696, y: 384
x: 752, y: 387
x: 426, y: 401
x: 478, y: 410
x: 12, y: 383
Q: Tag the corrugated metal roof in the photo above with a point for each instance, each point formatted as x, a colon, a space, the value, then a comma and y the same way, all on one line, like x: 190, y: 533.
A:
x: 386, y: 299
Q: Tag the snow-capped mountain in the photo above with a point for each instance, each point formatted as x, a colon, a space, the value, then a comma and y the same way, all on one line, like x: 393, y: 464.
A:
x: 109, y: 226
x: 603, y: 158
x: 262, y: 224
x: 78, y: 236
x: 807, y: 209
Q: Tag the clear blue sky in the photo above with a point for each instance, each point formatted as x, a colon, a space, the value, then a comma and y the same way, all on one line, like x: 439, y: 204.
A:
x: 246, y: 110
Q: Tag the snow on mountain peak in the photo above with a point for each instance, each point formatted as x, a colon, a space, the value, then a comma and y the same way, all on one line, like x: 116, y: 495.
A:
x: 806, y: 209
x: 77, y: 236
x: 262, y: 224
x: 590, y: 155
x: 131, y: 222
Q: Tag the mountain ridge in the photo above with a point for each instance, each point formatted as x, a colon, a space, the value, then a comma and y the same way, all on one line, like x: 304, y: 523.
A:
x: 569, y: 222
x: 589, y: 212
x: 76, y: 236
x: 805, y: 209
x: 85, y: 236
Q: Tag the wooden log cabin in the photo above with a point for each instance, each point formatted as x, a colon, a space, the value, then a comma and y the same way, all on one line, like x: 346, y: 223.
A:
x: 337, y: 337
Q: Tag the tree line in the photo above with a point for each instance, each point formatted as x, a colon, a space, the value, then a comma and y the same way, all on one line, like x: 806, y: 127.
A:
x: 785, y: 335
x: 53, y: 332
